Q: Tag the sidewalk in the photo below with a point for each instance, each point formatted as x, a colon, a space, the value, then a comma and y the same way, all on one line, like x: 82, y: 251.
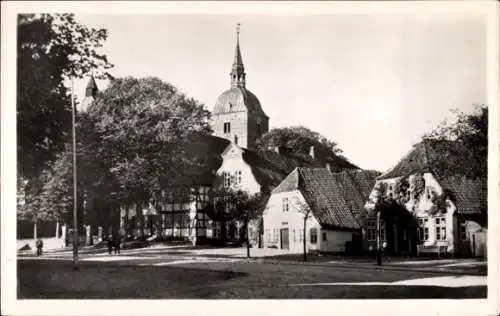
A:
x: 275, y: 256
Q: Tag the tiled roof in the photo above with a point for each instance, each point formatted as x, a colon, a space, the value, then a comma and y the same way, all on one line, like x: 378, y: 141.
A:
x: 334, y: 198
x: 424, y: 157
x: 270, y: 168
x: 469, y: 196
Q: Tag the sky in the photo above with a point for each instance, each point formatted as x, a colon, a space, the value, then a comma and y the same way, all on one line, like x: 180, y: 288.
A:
x: 372, y: 83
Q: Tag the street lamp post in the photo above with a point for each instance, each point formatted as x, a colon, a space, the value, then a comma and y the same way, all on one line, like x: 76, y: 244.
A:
x: 75, y: 208
x: 379, y: 250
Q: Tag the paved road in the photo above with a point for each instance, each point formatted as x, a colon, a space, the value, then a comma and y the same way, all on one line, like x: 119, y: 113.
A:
x: 160, y: 273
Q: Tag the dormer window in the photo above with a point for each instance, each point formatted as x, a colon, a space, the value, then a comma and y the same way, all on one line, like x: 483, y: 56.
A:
x: 227, y: 128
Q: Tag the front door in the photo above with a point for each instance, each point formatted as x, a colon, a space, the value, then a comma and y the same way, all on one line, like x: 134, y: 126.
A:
x: 284, y: 239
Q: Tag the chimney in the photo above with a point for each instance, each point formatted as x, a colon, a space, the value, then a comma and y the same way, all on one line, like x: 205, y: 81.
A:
x: 311, y: 152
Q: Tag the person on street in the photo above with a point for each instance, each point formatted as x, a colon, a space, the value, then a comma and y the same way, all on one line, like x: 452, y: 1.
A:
x: 110, y: 244
x: 116, y: 243
x: 39, y: 247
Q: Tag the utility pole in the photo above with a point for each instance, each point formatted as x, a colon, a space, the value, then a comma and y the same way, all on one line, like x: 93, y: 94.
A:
x: 75, y: 206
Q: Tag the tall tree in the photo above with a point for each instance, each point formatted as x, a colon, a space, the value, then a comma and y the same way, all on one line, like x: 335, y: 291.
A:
x: 145, y: 126
x: 49, y: 195
x: 244, y: 207
x: 470, y: 132
x: 298, y: 139
x: 51, y: 49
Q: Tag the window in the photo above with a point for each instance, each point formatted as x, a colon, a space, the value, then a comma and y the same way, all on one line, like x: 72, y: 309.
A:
x: 285, y: 205
x: 423, y: 229
x: 294, y: 237
x: 440, y: 228
x: 163, y: 217
x: 169, y: 220
x: 259, y: 129
x: 227, y: 128
x: 236, y: 139
x: 428, y: 193
x: 202, y: 220
x: 275, y: 235
x: 237, y: 176
x: 301, y: 235
x: 324, y: 236
x: 313, y: 235
x: 463, y: 230
x: 371, y: 230
x: 382, y: 230
x: 227, y: 179
x: 217, y: 229
x: 267, y: 234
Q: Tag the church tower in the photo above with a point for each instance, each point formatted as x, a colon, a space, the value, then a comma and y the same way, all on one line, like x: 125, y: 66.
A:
x: 90, y: 94
x: 238, y: 115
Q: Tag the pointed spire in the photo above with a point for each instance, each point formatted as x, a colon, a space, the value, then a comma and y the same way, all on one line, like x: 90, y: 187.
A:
x: 238, y: 70
x: 91, y: 89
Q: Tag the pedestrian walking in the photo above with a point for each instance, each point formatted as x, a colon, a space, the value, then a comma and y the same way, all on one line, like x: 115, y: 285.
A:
x: 110, y: 243
x: 39, y: 247
x: 116, y: 242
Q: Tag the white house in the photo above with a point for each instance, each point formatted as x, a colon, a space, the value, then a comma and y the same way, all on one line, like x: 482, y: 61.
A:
x: 448, y: 213
x: 332, y: 201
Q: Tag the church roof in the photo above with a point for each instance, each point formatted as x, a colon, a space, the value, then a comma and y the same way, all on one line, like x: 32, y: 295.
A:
x: 91, y: 88
x: 237, y: 99
x: 335, y: 199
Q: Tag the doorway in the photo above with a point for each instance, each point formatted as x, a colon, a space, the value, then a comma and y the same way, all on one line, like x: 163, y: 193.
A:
x: 285, y: 243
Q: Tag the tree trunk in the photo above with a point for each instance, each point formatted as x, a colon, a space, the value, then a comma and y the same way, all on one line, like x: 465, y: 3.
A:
x: 57, y: 230
x: 304, y: 239
x: 126, y: 228
x: 248, y: 238
x: 140, y: 218
x: 35, y: 235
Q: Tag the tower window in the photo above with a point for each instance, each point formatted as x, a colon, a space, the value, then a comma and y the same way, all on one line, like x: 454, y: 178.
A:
x: 259, y: 129
x: 236, y: 139
x: 227, y: 128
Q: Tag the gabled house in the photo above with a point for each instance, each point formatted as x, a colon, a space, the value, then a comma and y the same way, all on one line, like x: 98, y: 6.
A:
x: 180, y: 212
x: 332, y: 202
x: 260, y: 172
x: 431, y: 211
